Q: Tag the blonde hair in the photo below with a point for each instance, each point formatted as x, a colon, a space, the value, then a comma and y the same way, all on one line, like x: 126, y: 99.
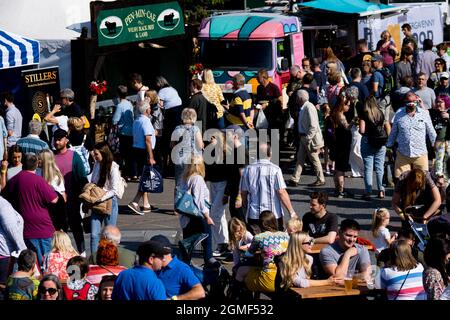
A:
x: 195, y: 167
x: 295, y: 224
x: 61, y: 243
x: 49, y: 168
x: 152, y: 97
x: 208, y: 76
x: 377, y: 219
x: 75, y: 123
x: 235, y: 225
x: 188, y: 116
x: 294, y: 259
x: 385, y: 32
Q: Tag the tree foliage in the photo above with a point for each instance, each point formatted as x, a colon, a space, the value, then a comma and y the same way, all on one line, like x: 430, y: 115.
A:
x: 196, y: 10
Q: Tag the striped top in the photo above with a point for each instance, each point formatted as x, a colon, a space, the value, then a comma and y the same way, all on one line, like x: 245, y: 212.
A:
x: 262, y: 180
x: 241, y: 103
x: 412, y: 289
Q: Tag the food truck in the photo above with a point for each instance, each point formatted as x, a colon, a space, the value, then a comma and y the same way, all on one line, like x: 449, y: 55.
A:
x: 245, y: 42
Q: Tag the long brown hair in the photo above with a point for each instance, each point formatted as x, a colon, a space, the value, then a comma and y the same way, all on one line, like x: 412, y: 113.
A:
x: 338, y: 110
x: 328, y: 55
x: 414, y: 182
x: 371, y: 110
x: 106, y: 163
x: 267, y: 221
x: 401, y: 256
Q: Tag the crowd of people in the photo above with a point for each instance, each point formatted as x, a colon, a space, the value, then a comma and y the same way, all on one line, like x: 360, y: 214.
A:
x: 382, y: 112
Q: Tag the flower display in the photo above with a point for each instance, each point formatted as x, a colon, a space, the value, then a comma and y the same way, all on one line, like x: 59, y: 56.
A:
x: 98, y: 87
x: 196, y: 69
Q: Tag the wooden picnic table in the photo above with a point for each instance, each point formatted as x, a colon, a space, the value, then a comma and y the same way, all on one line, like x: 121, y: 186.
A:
x: 330, y: 291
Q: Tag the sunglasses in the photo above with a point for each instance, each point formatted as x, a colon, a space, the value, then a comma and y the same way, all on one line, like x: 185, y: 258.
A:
x: 51, y: 291
x: 310, y: 242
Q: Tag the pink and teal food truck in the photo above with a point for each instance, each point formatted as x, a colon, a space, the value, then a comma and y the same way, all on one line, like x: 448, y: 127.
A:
x: 246, y: 42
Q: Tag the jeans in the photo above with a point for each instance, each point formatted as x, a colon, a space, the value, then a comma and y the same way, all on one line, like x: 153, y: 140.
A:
x: 199, y: 225
x: 373, y: 158
x: 41, y: 247
x: 97, y: 220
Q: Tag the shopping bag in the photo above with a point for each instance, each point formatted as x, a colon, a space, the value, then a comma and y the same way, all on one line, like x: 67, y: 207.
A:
x: 261, y: 121
x: 151, y: 180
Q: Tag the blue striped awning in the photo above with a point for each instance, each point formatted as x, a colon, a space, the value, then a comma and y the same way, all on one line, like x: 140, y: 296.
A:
x: 17, y: 51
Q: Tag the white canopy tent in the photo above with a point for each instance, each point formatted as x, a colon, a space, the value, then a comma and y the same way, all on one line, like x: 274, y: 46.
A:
x: 53, y: 23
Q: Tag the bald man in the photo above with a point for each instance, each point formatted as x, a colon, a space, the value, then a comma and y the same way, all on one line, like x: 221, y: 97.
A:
x: 127, y: 258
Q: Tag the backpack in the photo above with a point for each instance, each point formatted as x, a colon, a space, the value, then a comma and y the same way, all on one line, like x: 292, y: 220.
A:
x: 377, y: 135
x: 81, y: 294
x: 389, y: 82
x: 84, y: 155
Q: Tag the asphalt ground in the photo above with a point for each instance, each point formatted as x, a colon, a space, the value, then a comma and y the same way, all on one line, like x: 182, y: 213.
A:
x: 136, y: 228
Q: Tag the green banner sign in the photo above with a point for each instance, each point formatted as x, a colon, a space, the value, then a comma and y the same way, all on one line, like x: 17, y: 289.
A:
x: 139, y: 23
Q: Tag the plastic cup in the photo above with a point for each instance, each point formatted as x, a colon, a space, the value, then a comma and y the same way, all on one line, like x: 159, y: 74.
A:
x: 348, y: 281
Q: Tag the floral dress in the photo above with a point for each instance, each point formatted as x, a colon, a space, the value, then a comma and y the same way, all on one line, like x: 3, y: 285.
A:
x: 56, y: 263
x: 433, y: 283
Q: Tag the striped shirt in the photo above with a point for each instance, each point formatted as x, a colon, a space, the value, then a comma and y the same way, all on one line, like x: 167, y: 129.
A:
x: 410, y: 132
x: 241, y: 103
x: 262, y: 180
x: 412, y: 289
x: 32, y: 144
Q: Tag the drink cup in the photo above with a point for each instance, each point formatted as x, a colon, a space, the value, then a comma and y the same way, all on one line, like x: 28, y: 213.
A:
x: 348, y: 281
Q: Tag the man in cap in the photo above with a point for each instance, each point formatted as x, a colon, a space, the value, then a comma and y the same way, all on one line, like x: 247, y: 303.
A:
x: 443, y: 89
x: 178, y: 278
x: 376, y: 85
x: 72, y: 169
x: 412, y: 124
x: 141, y: 281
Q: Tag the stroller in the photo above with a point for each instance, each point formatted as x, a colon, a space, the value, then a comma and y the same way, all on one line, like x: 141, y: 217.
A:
x: 214, y: 278
x: 420, y: 230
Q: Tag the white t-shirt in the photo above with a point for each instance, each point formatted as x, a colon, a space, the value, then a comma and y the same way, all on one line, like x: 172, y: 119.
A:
x: 380, y: 242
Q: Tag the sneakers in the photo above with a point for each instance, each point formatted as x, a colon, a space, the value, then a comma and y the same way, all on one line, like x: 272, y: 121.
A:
x: 135, y: 208
x: 318, y: 183
x: 366, y: 197
x: 343, y: 194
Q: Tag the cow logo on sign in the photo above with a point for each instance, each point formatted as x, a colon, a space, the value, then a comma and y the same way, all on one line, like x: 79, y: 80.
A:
x: 111, y: 27
x: 168, y: 19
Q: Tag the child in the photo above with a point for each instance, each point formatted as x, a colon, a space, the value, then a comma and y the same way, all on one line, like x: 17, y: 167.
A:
x: 294, y: 225
x: 55, y: 262
x: 240, y: 240
x: 21, y: 285
x: 78, y: 287
x: 380, y: 232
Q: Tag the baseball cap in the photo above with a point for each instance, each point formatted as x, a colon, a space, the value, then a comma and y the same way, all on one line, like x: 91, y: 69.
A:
x: 59, y: 133
x: 444, y: 75
x: 163, y: 241
x: 150, y: 248
x: 377, y: 57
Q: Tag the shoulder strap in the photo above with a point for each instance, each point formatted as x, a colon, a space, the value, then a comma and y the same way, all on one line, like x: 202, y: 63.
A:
x: 404, y: 280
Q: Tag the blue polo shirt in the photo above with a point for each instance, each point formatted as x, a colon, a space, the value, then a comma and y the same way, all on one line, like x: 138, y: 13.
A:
x: 143, y: 127
x: 138, y: 283
x: 177, y: 277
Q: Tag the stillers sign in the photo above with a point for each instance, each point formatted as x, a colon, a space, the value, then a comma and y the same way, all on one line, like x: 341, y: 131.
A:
x: 139, y: 23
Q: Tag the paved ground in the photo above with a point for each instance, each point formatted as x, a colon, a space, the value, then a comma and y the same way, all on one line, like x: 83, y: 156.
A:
x: 136, y: 228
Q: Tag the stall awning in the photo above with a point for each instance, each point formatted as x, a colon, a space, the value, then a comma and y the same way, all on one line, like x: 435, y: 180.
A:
x: 17, y: 51
x: 359, y: 7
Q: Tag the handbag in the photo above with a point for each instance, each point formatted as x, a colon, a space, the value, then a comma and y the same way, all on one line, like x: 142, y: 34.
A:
x: 113, y: 140
x: 184, y: 204
x: 151, y: 180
